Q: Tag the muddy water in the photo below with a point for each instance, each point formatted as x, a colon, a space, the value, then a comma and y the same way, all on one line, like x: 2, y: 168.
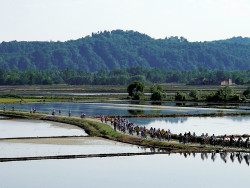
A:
x: 69, y: 146
x: 93, y: 109
x: 210, y: 125
x: 35, y: 128
x: 173, y: 170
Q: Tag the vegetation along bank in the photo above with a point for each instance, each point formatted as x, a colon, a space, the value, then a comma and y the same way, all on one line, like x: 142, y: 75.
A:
x: 94, y: 128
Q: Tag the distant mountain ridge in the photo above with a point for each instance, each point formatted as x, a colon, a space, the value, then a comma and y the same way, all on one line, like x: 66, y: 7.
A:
x: 121, y: 49
x: 242, y: 40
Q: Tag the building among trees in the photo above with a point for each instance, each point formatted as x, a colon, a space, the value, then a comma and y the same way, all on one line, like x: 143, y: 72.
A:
x: 226, y: 82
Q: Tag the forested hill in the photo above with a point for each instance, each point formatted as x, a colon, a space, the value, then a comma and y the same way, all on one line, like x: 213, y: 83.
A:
x: 236, y: 40
x: 120, y: 49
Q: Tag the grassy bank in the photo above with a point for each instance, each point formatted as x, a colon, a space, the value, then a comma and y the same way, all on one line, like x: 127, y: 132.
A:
x: 16, y: 100
x: 105, y: 131
x: 27, y: 99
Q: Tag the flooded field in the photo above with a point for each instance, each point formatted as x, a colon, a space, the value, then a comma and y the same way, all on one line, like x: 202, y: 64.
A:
x: 158, y: 170
x: 93, y: 109
x: 175, y: 170
x: 64, y: 146
x: 36, y: 128
x: 199, y: 125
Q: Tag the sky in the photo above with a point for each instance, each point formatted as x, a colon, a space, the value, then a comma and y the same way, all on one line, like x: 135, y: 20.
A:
x: 62, y: 20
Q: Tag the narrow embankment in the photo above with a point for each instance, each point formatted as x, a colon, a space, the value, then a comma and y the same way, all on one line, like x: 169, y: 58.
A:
x: 108, y: 155
x: 94, y: 128
x: 76, y: 156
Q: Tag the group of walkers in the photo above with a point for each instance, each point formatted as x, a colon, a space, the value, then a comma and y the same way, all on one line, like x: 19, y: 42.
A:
x: 83, y: 115
x: 188, y: 138
x: 160, y: 134
x: 33, y: 110
x: 213, y: 140
x: 233, y: 141
x: 124, y: 125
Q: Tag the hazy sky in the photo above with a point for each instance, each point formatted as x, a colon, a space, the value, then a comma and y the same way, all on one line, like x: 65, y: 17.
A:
x: 196, y: 20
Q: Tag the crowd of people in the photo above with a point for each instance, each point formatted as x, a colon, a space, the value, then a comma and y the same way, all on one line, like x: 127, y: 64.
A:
x: 124, y: 125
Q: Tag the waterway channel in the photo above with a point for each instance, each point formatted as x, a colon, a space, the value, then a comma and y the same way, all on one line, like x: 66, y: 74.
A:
x: 12, y: 148
x: 15, y: 128
x: 158, y: 170
x: 161, y: 170
x: 104, y: 108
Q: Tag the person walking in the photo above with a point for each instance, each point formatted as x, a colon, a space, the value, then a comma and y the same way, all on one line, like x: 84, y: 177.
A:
x: 169, y: 135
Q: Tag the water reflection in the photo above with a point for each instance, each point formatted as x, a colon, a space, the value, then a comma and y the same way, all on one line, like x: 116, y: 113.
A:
x: 138, y: 102
x: 159, y: 171
x: 157, y: 103
x: 136, y: 112
x: 108, y: 108
x: 156, y: 111
x: 226, y: 157
x: 180, y: 104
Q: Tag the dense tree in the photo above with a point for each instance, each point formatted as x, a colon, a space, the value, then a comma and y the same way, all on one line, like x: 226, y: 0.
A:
x: 157, y: 92
x: 224, y: 94
x: 179, y: 96
x: 157, y: 95
x: 194, y: 94
x: 113, y: 77
x: 240, y: 80
x: 136, y: 90
x: 247, y: 92
x: 156, y: 87
x: 122, y: 49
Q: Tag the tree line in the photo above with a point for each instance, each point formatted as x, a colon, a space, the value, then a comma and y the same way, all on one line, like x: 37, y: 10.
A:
x: 136, y: 92
x: 122, y: 49
x: 119, y: 76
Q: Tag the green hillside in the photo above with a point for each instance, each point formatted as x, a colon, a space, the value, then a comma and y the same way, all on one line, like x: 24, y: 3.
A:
x: 121, y: 49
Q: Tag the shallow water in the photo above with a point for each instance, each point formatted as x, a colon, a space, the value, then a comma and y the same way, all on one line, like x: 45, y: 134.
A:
x: 136, y: 171
x: 93, y: 109
x: 37, y: 128
x: 65, y: 146
x: 211, y: 125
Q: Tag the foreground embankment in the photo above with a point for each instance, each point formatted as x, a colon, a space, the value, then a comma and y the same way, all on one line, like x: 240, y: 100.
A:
x: 94, y: 128
x: 96, y: 155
